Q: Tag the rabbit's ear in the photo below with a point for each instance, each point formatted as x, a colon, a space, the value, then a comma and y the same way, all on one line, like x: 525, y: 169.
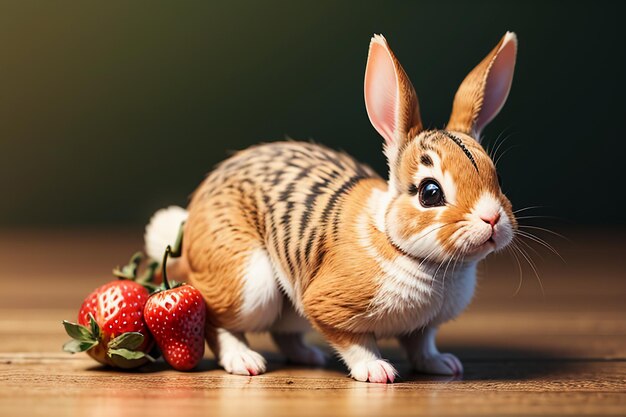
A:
x: 390, y: 98
x: 484, y: 91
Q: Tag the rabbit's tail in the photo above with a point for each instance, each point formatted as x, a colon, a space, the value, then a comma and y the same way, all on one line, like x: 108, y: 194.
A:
x: 163, y: 230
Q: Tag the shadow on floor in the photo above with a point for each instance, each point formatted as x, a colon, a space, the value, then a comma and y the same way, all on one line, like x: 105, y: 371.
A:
x: 484, y: 363
x: 480, y: 363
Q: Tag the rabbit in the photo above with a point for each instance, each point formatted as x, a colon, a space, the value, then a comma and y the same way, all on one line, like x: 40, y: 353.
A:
x: 291, y: 236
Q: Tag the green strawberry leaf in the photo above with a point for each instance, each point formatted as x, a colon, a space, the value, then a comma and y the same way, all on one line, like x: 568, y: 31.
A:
x: 127, y: 359
x: 78, y: 332
x: 126, y: 353
x: 147, y: 276
x: 176, y: 284
x: 126, y: 341
x: 129, y: 271
x: 123, y: 273
x: 152, y: 288
x: 95, y: 328
x: 76, y: 346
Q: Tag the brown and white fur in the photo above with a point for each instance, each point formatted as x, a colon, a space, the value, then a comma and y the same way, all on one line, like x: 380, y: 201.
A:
x: 286, y: 235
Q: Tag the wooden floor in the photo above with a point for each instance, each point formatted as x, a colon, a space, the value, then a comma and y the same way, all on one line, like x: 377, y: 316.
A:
x: 558, y: 352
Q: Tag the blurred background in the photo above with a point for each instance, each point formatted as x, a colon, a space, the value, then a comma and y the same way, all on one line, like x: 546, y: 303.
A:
x: 109, y: 111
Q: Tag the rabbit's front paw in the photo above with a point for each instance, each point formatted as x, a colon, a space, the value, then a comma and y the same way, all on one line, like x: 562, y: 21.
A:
x: 378, y: 371
x: 243, y: 362
x: 439, y: 364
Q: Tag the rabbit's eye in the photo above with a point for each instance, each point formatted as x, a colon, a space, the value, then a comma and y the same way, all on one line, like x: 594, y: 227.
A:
x: 431, y: 194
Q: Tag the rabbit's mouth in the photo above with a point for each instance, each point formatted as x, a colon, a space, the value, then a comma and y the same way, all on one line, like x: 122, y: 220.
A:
x: 477, y: 244
x: 492, y: 242
x: 481, y: 250
x: 488, y: 245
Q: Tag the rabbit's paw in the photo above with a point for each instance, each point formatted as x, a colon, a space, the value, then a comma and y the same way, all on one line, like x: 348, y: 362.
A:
x: 243, y: 362
x: 439, y: 364
x: 378, y: 371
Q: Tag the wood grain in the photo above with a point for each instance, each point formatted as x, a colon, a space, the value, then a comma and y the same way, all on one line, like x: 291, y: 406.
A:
x: 560, y: 352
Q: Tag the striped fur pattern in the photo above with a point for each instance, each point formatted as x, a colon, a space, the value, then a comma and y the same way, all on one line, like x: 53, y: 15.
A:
x: 283, y: 198
x: 288, y: 235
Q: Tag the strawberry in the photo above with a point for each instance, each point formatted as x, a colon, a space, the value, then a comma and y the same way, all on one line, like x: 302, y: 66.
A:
x: 110, y: 325
x: 175, y: 316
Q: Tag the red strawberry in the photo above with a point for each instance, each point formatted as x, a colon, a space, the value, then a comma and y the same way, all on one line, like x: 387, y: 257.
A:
x: 110, y: 325
x: 175, y: 316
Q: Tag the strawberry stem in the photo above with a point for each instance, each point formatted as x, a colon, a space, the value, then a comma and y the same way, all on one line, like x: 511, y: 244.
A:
x: 178, y: 245
x: 167, y: 253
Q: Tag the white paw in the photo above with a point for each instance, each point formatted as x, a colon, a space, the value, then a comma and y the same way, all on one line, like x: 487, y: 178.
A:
x: 439, y: 364
x: 378, y: 371
x: 307, y: 355
x: 243, y: 362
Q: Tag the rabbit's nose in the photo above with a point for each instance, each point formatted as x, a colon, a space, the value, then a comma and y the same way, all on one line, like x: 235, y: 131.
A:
x: 491, y: 219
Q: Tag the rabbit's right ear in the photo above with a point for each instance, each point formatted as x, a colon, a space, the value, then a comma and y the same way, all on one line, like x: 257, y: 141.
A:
x: 390, y: 98
x: 485, y: 89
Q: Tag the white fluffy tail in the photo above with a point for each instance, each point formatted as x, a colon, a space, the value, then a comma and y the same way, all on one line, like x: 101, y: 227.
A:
x: 163, y: 230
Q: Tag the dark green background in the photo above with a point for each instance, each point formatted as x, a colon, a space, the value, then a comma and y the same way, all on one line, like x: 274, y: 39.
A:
x: 110, y: 110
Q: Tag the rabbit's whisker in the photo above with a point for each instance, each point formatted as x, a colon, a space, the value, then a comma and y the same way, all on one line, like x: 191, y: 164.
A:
x: 527, y: 208
x: 540, y: 241
x: 543, y: 229
x: 529, y: 247
x: 504, y: 153
x: 521, y: 273
x: 531, y: 264
x: 495, y: 153
x: 538, y: 217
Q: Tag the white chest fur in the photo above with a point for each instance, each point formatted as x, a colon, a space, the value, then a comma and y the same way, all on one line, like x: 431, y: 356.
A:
x: 412, y: 296
x: 412, y: 293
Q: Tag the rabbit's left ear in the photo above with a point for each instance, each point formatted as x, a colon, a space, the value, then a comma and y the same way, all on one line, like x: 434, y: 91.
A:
x: 484, y: 91
x: 390, y: 98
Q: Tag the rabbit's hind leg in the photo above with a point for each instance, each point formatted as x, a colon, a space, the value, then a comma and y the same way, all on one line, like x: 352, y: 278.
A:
x: 288, y: 334
x: 254, y: 304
